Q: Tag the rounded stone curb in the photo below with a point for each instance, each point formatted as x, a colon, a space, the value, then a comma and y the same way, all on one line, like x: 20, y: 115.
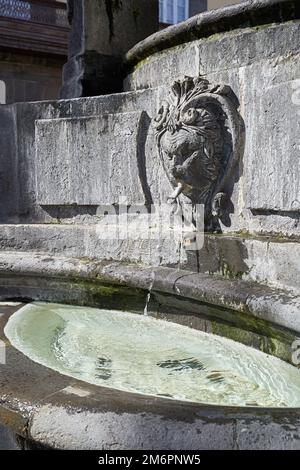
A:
x: 272, y: 305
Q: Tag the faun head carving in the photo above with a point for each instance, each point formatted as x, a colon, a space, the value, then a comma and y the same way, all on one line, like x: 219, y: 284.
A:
x: 197, y: 133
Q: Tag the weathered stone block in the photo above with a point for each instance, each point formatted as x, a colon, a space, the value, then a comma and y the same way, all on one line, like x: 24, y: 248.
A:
x: 271, y: 172
x: 88, y: 161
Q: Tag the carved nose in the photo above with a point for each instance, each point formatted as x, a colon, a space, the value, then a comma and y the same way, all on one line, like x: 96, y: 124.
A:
x: 178, y: 171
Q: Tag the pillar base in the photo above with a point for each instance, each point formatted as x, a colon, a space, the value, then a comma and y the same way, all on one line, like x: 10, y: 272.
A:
x: 91, y: 74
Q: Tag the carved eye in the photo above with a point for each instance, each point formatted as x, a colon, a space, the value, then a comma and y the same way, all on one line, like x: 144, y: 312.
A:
x: 162, y: 116
x: 190, y: 116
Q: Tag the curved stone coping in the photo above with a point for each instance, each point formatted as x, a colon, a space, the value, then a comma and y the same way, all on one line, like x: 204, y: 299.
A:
x: 247, y: 14
x: 279, y: 307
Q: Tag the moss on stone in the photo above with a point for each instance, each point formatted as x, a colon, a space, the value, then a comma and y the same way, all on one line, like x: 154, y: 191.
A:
x: 141, y: 64
x: 228, y: 272
x: 104, y: 295
x: 112, y: 7
x: 277, y: 345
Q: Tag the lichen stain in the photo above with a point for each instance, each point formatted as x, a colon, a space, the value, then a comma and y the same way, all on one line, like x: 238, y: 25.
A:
x: 136, y: 13
x: 112, y: 7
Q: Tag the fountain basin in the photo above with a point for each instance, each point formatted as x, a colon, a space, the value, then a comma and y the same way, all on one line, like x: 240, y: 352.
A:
x: 139, y: 354
x: 49, y: 409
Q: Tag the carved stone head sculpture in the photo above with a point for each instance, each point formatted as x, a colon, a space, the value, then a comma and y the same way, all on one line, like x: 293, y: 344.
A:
x: 198, y: 134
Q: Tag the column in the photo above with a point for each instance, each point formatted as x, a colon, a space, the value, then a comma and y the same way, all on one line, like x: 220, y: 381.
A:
x: 102, y: 31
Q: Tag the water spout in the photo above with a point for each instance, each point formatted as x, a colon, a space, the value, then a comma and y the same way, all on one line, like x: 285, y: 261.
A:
x: 149, y: 293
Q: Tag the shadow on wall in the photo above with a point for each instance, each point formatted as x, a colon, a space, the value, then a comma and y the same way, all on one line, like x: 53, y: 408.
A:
x: 143, y: 130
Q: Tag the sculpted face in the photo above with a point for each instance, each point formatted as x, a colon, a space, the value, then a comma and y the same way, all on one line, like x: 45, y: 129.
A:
x: 194, y: 142
x: 188, y: 141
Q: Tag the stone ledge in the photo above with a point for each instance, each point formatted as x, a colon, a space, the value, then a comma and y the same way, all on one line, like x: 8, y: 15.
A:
x: 276, y: 306
x: 233, y: 256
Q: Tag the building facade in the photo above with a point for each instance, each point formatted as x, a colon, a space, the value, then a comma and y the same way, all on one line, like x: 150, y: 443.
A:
x: 174, y: 11
x: 33, y: 49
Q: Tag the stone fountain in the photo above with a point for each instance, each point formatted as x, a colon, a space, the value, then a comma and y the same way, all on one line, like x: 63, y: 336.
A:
x: 201, y: 116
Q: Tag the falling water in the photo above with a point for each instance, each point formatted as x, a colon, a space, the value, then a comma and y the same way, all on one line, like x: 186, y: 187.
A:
x: 149, y: 293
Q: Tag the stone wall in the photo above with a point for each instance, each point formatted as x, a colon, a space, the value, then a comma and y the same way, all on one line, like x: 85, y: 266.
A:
x: 261, y: 66
x: 213, y: 4
x: 62, y: 161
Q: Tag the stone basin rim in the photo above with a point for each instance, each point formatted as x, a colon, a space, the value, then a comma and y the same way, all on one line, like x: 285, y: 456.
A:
x: 279, y: 307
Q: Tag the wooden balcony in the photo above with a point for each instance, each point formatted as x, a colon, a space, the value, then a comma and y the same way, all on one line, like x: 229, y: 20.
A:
x: 35, y: 26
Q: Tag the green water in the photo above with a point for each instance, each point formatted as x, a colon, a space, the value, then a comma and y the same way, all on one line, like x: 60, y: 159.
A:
x: 139, y: 354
